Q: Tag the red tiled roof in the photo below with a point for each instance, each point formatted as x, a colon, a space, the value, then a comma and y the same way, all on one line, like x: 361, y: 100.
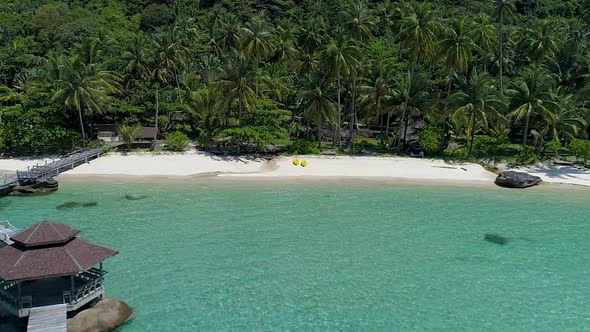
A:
x: 45, y: 233
x: 49, y: 250
x: 70, y: 259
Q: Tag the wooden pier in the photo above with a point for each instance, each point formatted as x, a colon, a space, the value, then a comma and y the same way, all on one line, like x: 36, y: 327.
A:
x: 41, y: 172
x: 48, y: 319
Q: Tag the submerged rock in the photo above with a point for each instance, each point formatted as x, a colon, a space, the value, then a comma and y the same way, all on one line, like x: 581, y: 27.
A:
x: 134, y: 198
x: 89, y: 204
x: 42, y: 187
x: 106, y: 316
x: 513, y: 179
x: 68, y: 205
x: 495, y: 238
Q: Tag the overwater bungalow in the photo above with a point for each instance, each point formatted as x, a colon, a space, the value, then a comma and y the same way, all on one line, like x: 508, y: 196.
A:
x: 49, y: 265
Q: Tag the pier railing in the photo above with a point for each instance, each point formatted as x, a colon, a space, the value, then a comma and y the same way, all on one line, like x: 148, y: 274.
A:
x: 94, y: 280
x: 42, y: 171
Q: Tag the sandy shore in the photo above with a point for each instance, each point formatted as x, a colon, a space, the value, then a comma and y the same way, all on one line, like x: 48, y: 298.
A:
x: 197, y: 164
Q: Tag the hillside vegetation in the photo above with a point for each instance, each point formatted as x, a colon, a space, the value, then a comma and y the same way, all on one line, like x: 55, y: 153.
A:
x: 463, y: 78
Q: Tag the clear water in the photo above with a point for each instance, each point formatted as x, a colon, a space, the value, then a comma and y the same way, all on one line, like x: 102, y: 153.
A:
x: 336, y: 256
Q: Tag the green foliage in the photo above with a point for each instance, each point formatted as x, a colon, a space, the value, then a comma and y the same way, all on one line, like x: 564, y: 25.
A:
x: 484, y: 145
x: 129, y: 133
x: 304, y: 147
x: 430, y: 140
x: 176, y: 141
x: 527, y: 155
x: 580, y: 148
x: 553, y: 146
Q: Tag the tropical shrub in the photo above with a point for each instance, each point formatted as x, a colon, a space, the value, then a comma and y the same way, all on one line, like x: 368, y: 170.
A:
x: 580, y: 148
x: 176, y: 141
x: 304, y: 147
x: 129, y: 133
x: 485, y: 145
x: 430, y: 140
x: 553, y: 146
x: 527, y: 155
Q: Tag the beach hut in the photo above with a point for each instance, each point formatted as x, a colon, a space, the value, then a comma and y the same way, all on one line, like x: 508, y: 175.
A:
x: 49, y: 265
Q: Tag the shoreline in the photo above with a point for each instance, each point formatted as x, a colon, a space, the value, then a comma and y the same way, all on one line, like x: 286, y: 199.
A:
x: 197, y: 166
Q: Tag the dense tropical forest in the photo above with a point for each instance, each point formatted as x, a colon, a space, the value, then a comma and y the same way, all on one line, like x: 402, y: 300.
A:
x: 446, y: 77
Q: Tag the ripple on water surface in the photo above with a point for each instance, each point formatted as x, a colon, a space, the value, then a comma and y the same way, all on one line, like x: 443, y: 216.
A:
x: 333, y: 257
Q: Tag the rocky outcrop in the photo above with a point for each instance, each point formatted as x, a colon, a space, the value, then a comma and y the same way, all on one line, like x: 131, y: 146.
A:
x: 38, y: 188
x: 106, y: 316
x: 512, y: 179
x: 495, y: 238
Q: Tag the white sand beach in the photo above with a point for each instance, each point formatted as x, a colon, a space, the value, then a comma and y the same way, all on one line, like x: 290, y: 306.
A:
x: 200, y: 163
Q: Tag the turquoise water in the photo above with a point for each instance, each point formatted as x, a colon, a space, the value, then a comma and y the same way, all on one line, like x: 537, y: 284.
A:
x: 334, y: 257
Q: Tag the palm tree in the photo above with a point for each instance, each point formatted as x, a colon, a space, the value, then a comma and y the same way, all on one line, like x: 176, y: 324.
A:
x: 256, y: 42
x: 531, y: 94
x: 84, y: 88
x: 284, y: 45
x: 475, y: 103
x: 377, y: 98
x: 311, y: 35
x: 339, y: 58
x: 483, y: 34
x: 129, y: 133
x: 419, y: 37
x: 236, y: 84
x: 317, y: 107
x: 539, y: 42
x: 204, y: 110
x: 502, y: 9
x: 566, y: 120
x: 229, y: 32
x: 134, y: 60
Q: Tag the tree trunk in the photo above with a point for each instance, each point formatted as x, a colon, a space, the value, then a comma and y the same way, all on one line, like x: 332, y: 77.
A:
x: 338, y: 122
x: 352, y: 115
x: 82, y: 128
x: 240, y: 110
x: 256, y: 75
x: 405, y: 110
x: 157, y: 113
x: 472, y: 135
x: 501, y: 70
x: 320, y: 134
x: 526, y: 130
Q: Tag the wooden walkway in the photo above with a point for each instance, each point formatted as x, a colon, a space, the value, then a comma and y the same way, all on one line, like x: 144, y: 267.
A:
x: 51, y: 318
x: 43, y: 171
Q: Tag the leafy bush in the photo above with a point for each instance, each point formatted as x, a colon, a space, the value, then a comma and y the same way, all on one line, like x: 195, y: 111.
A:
x: 430, y: 140
x: 580, y: 148
x: 129, y: 133
x: 553, y: 146
x: 528, y: 155
x: 485, y: 145
x: 176, y: 141
x: 304, y: 147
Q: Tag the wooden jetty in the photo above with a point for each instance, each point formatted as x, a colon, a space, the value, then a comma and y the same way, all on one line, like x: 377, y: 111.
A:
x: 41, y: 172
x: 50, y: 318
x: 6, y: 232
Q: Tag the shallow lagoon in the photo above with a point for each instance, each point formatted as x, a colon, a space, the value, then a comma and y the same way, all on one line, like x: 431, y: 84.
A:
x: 334, y: 255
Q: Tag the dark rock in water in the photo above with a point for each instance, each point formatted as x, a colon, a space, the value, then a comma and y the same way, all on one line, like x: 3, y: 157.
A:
x: 42, y: 187
x: 495, y: 238
x: 89, y: 204
x: 134, y: 198
x: 106, y: 316
x: 68, y: 205
x: 512, y: 179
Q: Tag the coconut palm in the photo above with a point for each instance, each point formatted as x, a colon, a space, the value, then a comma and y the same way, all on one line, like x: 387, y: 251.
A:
x: 339, y: 58
x: 284, y: 45
x: 236, y: 83
x: 359, y: 22
x: 228, y: 37
x: 84, y: 88
x: 418, y: 34
x: 129, y: 133
x: 457, y: 48
x: 474, y: 103
x: 311, y: 35
x: 531, y: 94
x: 377, y: 98
x: 539, y: 42
x: 318, y: 108
x: 483, y: 34
x: 502, y: 9
x: 205, y: 113
x: 256, y: 42
x: 566, y: 119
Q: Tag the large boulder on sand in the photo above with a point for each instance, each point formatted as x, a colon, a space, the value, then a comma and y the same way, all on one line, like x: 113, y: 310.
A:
x: 512, y: 179
x: 106, y: 316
